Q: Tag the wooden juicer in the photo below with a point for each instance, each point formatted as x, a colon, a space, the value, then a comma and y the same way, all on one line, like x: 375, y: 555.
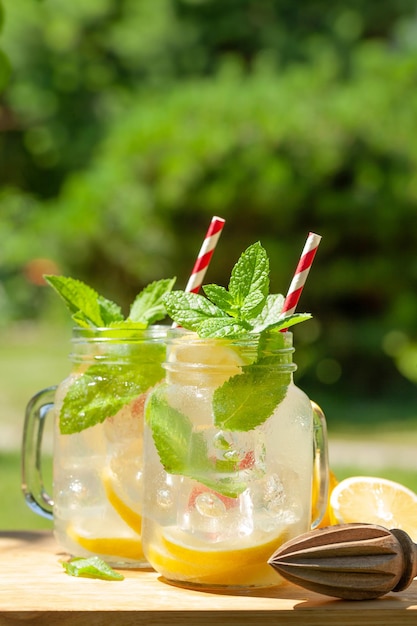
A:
x: 349, y: 561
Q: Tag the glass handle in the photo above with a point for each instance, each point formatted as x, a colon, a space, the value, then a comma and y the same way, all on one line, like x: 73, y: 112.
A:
x: 320, y: 466
x: 32, y: 480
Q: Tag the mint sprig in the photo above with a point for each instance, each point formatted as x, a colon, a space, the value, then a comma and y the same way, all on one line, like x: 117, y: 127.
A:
x: 85, y: 304
x: 91, y: 310
x: 103, y: 389
x: 245, y: 307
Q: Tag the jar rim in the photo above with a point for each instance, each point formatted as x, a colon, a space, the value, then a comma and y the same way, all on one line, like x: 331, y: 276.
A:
x: 174, y: 333
x: 118, y: 334
x: 188, y: 351
x: 251, y: 340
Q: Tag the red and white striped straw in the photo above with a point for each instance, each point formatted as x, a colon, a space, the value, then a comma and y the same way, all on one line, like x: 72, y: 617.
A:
x: 204, y: 256
x: 301, y: 273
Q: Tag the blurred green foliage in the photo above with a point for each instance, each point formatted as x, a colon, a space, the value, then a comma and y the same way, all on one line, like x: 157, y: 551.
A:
x: 4, y: 64
x: 127, y: 124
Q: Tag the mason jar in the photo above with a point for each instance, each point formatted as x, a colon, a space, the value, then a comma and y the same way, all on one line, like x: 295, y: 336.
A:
x: 96, y: 500
x: 233, y: 452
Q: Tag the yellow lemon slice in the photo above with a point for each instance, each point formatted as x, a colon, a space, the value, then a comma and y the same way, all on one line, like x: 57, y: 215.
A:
x: 181, y: 556
x: 128, y: 514
x: 203, y: 362
x: 376, y: 501
x: 117, y: 547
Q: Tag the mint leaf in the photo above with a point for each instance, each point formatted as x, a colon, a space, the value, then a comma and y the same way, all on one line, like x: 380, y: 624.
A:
x: 183, y: 451
x: 180, y: 449
x: 189, y: 310
x: 103, y: 389
x: 290, y: 320
x: 272, y: 317
x: 270, y: 313
x: 247, y: 400
x: 222, y: 327
x: 232, y: 486
x: 92, y: 567
x: 149, y: 306
x: 81, y: 300
x: 222, y: 298
x: 110, y: 312
x: 253, y: 303
x: 251, y: 273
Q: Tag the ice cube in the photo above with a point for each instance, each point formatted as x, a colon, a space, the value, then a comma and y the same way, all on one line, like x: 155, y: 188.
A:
x: 274, y: 505
x: 209, y: 505
x: 77, y: 492
x: 164, y: 498
x: 274, y: 496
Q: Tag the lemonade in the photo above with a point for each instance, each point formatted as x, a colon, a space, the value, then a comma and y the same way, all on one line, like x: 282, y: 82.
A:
x: 230, y: 497
x: 229, y: 439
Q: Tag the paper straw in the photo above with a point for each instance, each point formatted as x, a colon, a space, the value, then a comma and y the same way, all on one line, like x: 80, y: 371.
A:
x: 301, y: 273
x: 204, y: 256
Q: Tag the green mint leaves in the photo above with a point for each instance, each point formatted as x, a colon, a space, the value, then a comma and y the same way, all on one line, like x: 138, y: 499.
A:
x: 85, y: 304
x: 245, y: 307
x: 91, y: 310
x: 246, y: 400
x: 183, y: 450
x: 149, y: 306
x: 103, y: 389
x: 92, y: 567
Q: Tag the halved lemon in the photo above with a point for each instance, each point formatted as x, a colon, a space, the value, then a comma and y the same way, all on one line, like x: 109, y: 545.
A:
x: 375, y: 501
x: 181, y: 556
x: 204, y: 362
x: 128, y: 512
x: 117, y: 547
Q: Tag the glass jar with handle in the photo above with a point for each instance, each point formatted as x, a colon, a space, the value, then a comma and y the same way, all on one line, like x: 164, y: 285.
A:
x: 233, y: 452
x: 97, y: 410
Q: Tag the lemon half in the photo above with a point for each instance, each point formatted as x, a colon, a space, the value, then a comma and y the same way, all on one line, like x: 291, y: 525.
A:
x: 373, y: 500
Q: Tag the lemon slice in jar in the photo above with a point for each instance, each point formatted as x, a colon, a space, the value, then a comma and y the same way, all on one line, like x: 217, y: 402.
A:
x: 182, y: 556
x: 98, y: 539
x: 203, y: 362
x: 101, y: 543
x: 127, y: 510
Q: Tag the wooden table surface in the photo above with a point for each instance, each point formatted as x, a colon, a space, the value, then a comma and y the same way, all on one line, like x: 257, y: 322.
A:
x: 35, y: 589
